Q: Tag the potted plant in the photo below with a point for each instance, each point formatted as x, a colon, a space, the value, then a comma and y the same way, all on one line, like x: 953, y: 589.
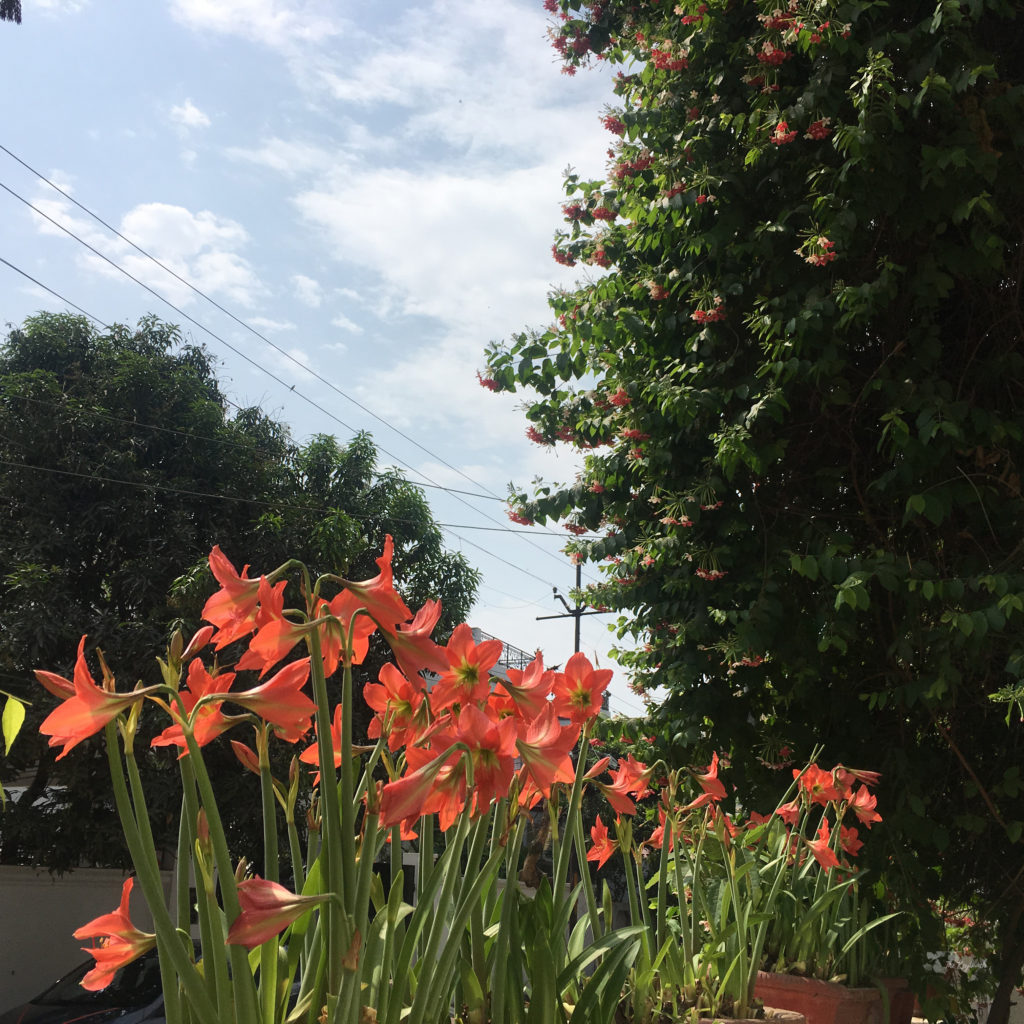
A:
x: 324, y: 941
x: 817, y: 959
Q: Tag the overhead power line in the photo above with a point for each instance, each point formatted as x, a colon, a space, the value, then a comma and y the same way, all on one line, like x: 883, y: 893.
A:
x: 526, y: 537
x: 241, y: 323
x: 192, y: 435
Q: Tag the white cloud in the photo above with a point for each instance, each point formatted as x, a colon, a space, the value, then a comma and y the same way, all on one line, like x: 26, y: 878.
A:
x: 345, y: 324
x: 275, y: 23
x: 307, y: 290
x: 265, y: 324
x: 60, y: 6
x: 201, y: 248
x: 289, y: 158
x: 292, y: 363
x: 188, y: 115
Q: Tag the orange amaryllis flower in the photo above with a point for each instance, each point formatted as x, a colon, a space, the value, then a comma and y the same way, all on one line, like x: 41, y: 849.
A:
x: 468, y: 676
x: 400, y: 703
x: 849, y: 841
x: 657, y: 837
x: 818, y: 784
x: 631, y: 777
x: 311, y: 755
x: 528, y: 689
x: 492, y: 752
x: 790, y: 812
x: 430, y: 785
x: 709, y: 780
x: 208, y: 721
x: 545, y: 748
x: 602, y: 847
x: 579, y: 690
x: 863, y: 804
x: 275, y: 635
x: 821, y: 848
x: 846, y: 777
x: 267, y: 909
x: 233, y: 608
x: 281, y: 702
x: 343, y: 607
x: 86, y: 708
x: 411, y: 644
x: 120, y: 942
x: 378, y: 596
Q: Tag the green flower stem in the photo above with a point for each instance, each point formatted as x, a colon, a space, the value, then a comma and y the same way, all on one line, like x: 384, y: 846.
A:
x: 368, y: 849
x: 217, y: 981
x: 500, y: 996
x: 581, y: 856
x: 337, y: 845
x: 437, y: 994
x: 430, y: 906
x: 271, y: 871
x: 661, y: 933
x: 575, y: 796
x: 243, y: 986
x: 149, y: 880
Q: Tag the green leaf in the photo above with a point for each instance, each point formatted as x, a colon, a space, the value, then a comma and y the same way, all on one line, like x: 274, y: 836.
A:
x: 13, y: 717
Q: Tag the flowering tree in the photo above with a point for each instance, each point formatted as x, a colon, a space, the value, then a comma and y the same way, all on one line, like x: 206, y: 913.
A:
x: 798, y: 386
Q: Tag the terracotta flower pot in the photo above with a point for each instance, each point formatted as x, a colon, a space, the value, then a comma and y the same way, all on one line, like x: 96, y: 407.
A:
x: 821, y: 1002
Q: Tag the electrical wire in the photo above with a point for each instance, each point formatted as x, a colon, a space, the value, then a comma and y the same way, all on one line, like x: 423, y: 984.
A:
x: 249, y: 327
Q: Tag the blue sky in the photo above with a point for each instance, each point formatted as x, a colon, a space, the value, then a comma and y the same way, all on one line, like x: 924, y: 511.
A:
x: 373, y: 186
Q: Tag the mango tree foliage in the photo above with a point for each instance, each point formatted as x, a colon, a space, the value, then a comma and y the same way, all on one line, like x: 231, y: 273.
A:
x: 123, y: 463
x: 796, y: 367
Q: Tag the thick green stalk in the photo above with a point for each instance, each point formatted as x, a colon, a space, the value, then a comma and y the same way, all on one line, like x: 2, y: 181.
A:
x: 575, y: 797
x: 148, y: 874
x: 271, y: 871
x: 337, y: 845
x: 217, y: 979
x: 243, y: 985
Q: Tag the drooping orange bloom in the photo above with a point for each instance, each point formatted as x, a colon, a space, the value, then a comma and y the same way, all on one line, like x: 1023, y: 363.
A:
x: 343, y: 607
x: 467, y: 678
x: 275, y: 636
x: 266, y: 910
x: 863, y: 804
x: 411, y: 644
x: 120, y: 942
x: 233, y: 608
x: 602, y: 847
x: 281, y: 702
x: 86, y: 708
x: 846, y: 777
x: 709, y: 780
x: 431, y: 785
x: 630, y: 778
x: 378, y: 596
x: 823, y: 852
x: 579, y: 690
x: 399, y: 702
x: 658, y: 835
x: 789, y: 813
x: 544, y: 748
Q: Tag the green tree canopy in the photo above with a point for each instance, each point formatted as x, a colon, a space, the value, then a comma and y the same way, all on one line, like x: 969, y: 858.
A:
x: 120, y: 467
x: 799, y: 384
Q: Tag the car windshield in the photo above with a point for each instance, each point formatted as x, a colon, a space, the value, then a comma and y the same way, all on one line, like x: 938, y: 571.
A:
x: 136, y: 984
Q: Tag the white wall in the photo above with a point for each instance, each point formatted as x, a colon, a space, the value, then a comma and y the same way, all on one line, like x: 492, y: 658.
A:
x: 39, y: 912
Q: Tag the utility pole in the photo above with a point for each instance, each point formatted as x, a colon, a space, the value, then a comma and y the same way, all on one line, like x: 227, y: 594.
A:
x: 571, y: 612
